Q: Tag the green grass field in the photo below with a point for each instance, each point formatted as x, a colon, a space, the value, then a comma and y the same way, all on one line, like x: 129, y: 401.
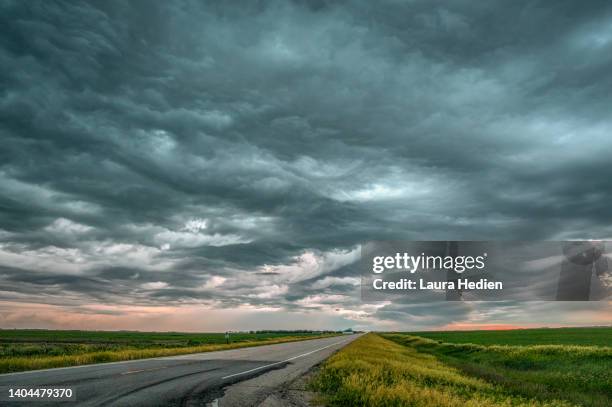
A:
x: 39, y: 349
x: 598, y: 336
x: 408, y: 370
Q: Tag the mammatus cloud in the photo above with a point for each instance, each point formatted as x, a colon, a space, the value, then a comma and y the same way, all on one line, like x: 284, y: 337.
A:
x: 214, y: 158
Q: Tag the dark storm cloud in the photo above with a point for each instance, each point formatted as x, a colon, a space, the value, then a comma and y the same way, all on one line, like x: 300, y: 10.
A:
x: 202, y: 151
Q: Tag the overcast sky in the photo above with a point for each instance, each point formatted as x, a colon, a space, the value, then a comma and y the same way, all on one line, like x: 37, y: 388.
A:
x: 201, y: 166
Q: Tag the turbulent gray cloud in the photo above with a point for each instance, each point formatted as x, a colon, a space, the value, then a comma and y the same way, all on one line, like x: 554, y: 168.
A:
x: 237, y: 155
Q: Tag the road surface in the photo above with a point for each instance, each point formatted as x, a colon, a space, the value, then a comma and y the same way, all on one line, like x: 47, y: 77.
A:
x: 188, y: 380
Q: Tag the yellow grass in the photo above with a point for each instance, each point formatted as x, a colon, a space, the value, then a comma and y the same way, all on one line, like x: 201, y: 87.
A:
x: 373, y: 371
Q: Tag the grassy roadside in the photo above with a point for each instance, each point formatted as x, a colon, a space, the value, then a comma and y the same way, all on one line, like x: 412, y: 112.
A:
x: 35, y: 362
x: 375, y: 371
x: 581, y: 375
x: 589, y: 336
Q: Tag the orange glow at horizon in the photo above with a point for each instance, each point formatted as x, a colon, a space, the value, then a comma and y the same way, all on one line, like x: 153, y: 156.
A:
x: 209, y: 317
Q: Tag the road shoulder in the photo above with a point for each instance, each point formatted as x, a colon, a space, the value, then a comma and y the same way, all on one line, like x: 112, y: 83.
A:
x: 285, y: 386
x: 295, y: 394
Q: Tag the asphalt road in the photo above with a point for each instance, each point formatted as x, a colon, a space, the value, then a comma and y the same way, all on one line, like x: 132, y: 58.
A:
x: 189, y: 380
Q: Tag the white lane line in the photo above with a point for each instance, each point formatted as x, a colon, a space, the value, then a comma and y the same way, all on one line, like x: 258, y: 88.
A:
x: 282, y: 361
x: 133, y: 371
x: 143, y: 370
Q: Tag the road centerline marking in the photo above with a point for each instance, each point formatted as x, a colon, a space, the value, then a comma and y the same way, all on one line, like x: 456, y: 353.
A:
x: 143, y: 370
x: 282, y: 361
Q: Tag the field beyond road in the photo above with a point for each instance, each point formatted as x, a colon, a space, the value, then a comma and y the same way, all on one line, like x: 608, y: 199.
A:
x: 408, y: 370
x: 26, y: 349
x: 596, y: 336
